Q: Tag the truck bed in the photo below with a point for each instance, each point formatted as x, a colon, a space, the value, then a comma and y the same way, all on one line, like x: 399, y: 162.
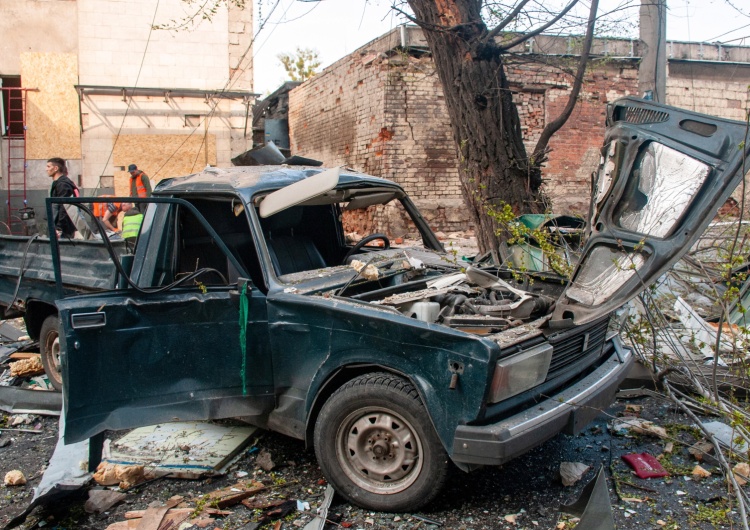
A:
x: 85, y: 265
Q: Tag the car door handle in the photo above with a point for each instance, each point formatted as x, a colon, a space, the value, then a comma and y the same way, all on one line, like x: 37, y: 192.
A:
x: 88, y: 320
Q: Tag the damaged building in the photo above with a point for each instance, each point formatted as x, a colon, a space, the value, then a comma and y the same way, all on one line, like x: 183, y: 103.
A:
x: 94, y: 82
x: 381, y: 110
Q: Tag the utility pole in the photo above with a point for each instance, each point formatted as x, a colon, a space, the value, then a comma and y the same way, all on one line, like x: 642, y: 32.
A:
x: 652, y: 72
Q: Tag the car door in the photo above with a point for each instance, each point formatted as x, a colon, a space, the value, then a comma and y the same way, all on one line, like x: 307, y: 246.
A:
x: 664, y: 173
x: 172, y: 345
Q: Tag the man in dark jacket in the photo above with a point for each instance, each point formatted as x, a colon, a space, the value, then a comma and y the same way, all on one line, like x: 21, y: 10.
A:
x: 62, y: 186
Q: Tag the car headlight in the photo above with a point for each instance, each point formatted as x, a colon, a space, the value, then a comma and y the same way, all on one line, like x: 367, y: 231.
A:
x: 520, y: 372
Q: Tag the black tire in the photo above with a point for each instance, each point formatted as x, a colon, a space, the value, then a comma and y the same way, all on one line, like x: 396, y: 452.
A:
x: 377, y: 447
x: 49, y: 347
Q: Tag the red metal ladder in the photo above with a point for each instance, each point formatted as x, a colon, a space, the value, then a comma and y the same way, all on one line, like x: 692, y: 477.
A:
x: 15, y: 137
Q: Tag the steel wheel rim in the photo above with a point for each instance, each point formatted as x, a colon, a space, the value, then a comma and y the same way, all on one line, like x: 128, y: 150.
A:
x: 53, y: 347
x: 379, y: 450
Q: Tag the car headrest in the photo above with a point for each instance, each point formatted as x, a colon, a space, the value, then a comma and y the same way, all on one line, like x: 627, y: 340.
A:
x: 285, y: 219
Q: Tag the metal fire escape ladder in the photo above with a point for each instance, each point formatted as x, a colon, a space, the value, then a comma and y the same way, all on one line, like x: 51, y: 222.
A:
x: 15, y: 138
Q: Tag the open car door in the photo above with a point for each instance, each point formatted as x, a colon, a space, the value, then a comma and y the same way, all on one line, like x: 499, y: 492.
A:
x: 184, y: 339
x: 664, y: 174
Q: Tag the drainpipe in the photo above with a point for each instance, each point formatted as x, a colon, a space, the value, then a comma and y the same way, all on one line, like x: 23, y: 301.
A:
x: 404, y: 37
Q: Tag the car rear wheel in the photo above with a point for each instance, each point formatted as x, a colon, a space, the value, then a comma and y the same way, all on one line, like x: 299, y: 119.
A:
x: 49, y: 346
x: 377, y: 447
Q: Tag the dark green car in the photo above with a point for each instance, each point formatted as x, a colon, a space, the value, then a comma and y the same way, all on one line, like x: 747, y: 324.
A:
x: 280, y: 295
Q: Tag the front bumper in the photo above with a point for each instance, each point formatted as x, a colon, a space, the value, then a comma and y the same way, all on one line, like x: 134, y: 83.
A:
x: 570, y: 411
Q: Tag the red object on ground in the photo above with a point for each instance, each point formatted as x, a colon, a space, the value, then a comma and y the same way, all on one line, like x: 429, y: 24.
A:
x: 645, y: 465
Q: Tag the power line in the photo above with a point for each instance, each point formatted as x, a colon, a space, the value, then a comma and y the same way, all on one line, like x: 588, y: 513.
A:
x: 229, y: 83
x: 728, y: 32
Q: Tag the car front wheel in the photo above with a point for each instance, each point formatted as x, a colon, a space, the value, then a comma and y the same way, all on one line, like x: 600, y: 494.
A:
x: 377, y: 447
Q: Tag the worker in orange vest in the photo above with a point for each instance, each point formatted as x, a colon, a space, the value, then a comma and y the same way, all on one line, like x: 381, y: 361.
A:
x: 107, y: 212
x: 140, y: 186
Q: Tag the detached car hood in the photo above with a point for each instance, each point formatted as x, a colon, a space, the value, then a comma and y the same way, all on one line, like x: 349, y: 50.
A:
x: 663, y: 175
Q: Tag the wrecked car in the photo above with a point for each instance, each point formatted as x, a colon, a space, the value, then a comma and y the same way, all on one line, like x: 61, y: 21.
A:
x: 248, y: 296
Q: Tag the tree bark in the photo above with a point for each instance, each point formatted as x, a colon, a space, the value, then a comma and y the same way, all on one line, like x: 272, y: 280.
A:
x: 494, y: 167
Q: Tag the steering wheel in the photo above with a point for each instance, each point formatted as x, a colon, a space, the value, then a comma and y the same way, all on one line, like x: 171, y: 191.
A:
x: 362, y: 242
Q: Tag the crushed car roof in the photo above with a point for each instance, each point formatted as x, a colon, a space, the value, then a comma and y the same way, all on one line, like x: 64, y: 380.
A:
x: 250, y: 180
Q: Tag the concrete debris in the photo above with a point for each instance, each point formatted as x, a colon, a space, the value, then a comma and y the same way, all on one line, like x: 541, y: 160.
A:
x: 370, y: 272
x: 124, y: 476
x: 741, y: 473
x: 702, y: 451
x: 14, y: 478
x: 631, y: 425
x: 264, y: 461
x: 572, y: 472
x: 22, y: 419
x: 699, y: 472
x: 27, y: 367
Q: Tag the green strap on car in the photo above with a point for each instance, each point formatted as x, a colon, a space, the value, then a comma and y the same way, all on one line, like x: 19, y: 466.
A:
x: 243, y: 335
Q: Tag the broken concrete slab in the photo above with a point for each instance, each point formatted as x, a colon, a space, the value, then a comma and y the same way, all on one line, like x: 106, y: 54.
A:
x: 180, y: 449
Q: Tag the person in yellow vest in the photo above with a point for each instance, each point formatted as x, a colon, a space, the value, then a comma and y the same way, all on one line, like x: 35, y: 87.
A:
x: 131, y: 223
x: 140, y: 186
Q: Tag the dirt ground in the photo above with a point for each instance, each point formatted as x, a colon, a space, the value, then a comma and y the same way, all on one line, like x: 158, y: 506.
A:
x: 525, y: 493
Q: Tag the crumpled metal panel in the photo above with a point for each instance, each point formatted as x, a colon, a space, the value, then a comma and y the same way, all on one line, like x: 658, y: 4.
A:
x: 658, y: 187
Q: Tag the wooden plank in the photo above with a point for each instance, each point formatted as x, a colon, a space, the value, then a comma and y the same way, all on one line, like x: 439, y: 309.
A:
x: 24, y: 355
x: 170, y: 522
x: 137, y: 514
x: 154, y: 515
x: 235, y: 494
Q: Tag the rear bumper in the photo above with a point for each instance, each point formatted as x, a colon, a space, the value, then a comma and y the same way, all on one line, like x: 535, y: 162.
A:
x: 570, y: 411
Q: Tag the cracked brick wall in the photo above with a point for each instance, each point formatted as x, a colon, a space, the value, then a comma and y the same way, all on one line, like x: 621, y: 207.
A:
x: 382, y: 112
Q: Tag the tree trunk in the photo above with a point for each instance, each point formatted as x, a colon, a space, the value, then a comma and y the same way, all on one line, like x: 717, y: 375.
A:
x: 494, y: 168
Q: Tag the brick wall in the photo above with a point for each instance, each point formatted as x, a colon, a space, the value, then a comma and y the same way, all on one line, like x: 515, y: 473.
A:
x: 575, y: 148
x: 381, y: 111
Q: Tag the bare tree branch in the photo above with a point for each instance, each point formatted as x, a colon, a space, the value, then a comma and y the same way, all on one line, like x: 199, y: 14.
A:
x: 555, y: 125
x: 507, y: 20
x: 533, y: 33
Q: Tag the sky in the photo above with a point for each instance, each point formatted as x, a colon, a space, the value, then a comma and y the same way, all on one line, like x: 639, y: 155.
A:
x: 336, y: 28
